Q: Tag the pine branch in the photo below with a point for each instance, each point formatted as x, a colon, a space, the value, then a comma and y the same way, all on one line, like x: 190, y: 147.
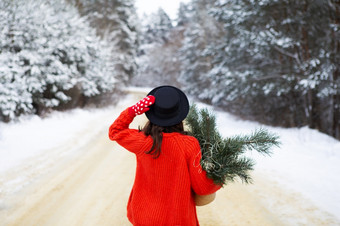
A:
x: 260, y: 140
x: 222, y: 158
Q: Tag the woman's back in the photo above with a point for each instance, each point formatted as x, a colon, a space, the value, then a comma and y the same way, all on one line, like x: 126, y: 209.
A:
x: 162, y: 190
x: 168, y: 173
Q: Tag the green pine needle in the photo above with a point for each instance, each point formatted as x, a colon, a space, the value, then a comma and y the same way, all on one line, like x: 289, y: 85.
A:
x: 223, y: 158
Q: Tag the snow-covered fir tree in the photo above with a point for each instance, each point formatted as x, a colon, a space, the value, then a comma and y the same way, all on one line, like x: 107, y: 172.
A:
x: 272, y: 61
x: 49, y: 58
x: 158, y: 60
x: 116, y: 22
x: 196, y: 56
x: 184, y: 14
x: 156, y: 27
x: 283, y: 52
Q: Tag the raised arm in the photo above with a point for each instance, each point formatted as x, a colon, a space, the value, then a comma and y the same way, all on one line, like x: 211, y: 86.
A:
x: 126, y: 117
x: 119, y: 131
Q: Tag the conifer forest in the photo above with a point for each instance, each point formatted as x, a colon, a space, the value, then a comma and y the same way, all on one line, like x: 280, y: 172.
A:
x: 272, y: 61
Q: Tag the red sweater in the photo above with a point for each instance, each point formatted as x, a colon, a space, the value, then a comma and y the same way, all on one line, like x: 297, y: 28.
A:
x: 163, y: 191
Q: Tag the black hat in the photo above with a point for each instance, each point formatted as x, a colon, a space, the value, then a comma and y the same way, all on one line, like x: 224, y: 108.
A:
x: 170, y: 108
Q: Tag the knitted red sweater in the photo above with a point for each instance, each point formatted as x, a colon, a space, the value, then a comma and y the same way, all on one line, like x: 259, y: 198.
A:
x: 163, y: 191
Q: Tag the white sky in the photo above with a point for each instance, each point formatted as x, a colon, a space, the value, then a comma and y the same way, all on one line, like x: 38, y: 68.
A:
x: 149, y: 6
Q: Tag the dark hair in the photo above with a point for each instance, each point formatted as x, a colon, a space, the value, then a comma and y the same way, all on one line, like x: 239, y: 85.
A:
x: 156, y: 133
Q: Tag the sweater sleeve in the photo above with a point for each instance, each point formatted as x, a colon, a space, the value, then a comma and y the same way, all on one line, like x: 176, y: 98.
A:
x: 200, y: 183
x: 131, y: 139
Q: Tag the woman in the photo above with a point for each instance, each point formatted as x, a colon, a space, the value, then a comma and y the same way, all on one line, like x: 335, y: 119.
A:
x: 168, y: 174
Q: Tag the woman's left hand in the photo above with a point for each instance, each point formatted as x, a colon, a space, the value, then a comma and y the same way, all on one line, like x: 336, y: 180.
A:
x: 202, y: 200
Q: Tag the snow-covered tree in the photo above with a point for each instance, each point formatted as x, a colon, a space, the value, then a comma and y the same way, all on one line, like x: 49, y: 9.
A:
x: 158, y: 61
x: 156, y: 27
x: 200, y: 35
x: 283, y: 49
x: 116, y: 22
x: 49, y: 58
x: 184, y: 14
x: 272, y: 61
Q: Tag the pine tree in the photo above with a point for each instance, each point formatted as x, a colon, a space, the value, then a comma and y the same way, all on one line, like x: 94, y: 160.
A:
x: 276, y: 62
x: 156, y: 28
x: 280, y: 51
x: 195, y: 55
x: 49, y: 57
x: 157, y: 60
x: 184, y: 14
x: 223, y: 158
x: 115, y: 21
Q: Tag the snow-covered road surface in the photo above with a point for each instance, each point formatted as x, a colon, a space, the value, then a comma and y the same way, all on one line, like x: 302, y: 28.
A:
x: 86, y: 180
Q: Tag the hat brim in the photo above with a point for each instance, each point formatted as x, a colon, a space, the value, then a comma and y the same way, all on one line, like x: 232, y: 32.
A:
x: 179, y: 117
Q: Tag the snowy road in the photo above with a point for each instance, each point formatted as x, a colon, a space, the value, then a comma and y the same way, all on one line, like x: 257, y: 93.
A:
x: 92, y: 185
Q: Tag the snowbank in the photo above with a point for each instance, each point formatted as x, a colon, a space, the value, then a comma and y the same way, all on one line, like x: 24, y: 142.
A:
x: 33, y: 136
x: 306, y: 162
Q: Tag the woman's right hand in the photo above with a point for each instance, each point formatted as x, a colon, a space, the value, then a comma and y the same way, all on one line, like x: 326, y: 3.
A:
x: 141, y: 106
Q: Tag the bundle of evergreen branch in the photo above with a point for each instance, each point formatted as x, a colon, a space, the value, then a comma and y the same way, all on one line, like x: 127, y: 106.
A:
x: 223, y: 158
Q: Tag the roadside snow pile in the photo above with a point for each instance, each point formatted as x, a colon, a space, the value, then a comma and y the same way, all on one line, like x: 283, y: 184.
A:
x: 34, y: 136
x: 306, y: 162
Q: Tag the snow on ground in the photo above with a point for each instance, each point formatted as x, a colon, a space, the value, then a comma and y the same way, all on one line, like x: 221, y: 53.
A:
x: 33, y: 136
x: 307, y: 161
x: 34, y: 146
